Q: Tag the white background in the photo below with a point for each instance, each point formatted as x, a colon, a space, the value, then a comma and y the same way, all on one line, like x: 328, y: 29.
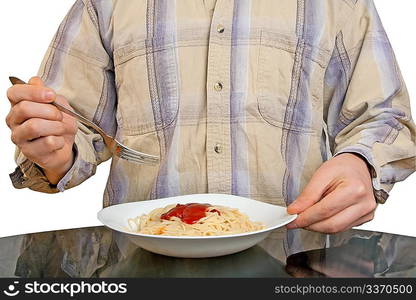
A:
x: 27, y: 27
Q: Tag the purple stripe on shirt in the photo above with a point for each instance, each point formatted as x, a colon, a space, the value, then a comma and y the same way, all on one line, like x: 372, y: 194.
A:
x: 238, y: 78
x: 164, y: 91
x: 104, y: 11
x: 116, y: 189
x: 299, y: 114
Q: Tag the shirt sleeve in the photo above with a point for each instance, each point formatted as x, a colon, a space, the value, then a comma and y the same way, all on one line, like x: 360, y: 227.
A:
x: 79, y: 66
x: 367, y: 107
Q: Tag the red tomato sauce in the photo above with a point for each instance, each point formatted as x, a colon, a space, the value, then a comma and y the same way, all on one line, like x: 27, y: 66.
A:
x: 188, y: 213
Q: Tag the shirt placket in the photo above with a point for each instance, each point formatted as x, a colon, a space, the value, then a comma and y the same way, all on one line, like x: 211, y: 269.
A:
x: 218, y: 103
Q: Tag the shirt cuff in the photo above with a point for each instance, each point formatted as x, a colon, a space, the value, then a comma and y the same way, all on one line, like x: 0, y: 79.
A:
x: 29, y: 175
x: 79, y: 172
x: 381, y: 191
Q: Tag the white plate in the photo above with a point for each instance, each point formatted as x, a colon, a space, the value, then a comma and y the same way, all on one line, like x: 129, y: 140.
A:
x: 272, y: 216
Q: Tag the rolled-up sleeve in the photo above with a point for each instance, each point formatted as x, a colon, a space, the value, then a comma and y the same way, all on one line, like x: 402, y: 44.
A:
x: 367, y: 108
x: 79, y: 66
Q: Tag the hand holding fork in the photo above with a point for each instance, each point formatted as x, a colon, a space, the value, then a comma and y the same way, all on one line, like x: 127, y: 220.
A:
x: 44, y: 128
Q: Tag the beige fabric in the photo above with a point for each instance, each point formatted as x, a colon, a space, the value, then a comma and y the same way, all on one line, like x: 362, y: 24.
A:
x: 285, y: 85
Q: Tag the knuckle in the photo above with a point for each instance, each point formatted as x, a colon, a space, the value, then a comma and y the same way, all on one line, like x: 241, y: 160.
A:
x: 14, y: 138
x: 9, y: 93
x: 21, y: 109
x: 8, y: 119
x: 32, y: 128
x: 327, y: 210
x: 57, y: 114
x: 356, y: 188
x: 360, y: 190
x: 332, y: 228
x: 372, y: 205
x: 24, y: 106
x: 303, y: 223
x: 300, y: 222
x: 50, y: 142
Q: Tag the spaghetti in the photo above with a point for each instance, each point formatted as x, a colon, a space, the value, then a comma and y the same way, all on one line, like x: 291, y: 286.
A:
x: 193, y: 220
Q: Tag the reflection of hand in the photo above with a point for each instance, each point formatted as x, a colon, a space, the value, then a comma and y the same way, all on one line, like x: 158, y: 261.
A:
x: 43, y: 134
x: 338, y: 197
x: 357, y: 259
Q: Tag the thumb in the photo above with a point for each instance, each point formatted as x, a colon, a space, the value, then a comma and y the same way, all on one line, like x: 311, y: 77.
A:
x: 311, y: 194
x: 36, y: 81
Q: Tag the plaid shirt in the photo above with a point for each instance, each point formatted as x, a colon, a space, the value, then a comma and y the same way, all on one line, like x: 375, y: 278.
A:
x: 236, y: 96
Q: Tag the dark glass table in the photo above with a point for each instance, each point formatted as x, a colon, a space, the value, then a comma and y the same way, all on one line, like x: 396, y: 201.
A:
x: 101, y: 252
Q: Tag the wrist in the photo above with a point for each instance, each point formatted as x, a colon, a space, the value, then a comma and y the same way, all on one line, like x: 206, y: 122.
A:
x: 363, y: 160
x: 55, y: 175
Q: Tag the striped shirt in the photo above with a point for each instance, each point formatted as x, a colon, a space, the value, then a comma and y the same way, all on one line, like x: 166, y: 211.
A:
x: 236, y: 96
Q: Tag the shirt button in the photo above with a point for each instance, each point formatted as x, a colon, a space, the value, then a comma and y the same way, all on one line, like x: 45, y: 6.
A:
x: 218, y: 149
x: 220, y: 29
x: 218, y: 86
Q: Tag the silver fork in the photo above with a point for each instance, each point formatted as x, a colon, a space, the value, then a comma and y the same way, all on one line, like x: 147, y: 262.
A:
x: 112, y: 144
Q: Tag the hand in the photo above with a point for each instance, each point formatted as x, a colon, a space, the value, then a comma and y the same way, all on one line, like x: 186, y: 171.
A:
x: 43, y: 134
x: 338, y: 197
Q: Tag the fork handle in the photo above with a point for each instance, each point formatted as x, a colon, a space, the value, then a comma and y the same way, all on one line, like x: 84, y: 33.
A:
x: 80, y: 118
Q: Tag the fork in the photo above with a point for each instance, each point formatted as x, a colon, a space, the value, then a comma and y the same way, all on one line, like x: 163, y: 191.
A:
x: 112, y: 144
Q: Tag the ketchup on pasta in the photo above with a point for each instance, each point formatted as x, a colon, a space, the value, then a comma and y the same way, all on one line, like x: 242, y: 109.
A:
x: 188, y: 213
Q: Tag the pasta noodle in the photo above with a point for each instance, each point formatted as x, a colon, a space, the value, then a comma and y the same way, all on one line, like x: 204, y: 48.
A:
x: 218, y: 220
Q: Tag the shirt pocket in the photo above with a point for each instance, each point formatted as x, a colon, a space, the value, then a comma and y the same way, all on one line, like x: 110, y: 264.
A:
x: 290, y: 82
x: 147, y: 85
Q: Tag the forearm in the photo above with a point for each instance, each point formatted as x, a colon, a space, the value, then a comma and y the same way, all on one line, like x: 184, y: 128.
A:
x: 88, y: 152
x: 368, y: 108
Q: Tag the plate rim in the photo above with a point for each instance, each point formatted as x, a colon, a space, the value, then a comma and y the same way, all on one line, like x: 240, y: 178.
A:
x: 173, y: 237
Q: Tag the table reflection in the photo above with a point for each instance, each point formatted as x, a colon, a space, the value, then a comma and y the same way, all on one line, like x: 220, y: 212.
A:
x: 101, y: 252
x: 358, y: 254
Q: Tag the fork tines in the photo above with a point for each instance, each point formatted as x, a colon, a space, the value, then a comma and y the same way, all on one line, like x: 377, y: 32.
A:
x: 135, y: 156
